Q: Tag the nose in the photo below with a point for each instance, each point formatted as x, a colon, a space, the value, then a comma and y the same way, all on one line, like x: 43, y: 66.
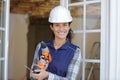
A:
x: 61, y: 27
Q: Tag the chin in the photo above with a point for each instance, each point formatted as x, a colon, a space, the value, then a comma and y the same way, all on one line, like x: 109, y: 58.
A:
x: 62, y: 37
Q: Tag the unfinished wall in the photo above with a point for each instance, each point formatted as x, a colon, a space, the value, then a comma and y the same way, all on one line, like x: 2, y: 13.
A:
x: 18, y: 46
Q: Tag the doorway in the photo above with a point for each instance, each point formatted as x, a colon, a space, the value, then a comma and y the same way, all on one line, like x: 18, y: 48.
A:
x: 38, y: 30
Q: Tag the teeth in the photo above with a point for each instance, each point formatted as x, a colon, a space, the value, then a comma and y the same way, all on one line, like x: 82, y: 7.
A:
x: 61, y: 33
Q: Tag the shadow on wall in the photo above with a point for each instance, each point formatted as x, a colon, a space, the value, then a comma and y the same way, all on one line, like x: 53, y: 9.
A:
x: 38, y: 30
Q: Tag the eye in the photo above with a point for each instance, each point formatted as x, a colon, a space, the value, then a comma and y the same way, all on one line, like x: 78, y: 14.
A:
x: 57, y: 25
x: 65, y: 24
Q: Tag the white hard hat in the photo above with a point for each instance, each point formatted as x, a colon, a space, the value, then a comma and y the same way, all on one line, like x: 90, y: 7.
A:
x: 60, y: 14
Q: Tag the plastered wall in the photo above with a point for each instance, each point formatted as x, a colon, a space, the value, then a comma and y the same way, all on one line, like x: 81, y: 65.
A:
x: 18, y: 46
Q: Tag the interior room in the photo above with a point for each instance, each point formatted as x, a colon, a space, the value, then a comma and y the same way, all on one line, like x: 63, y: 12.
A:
x: 29, y: 25
x: 96, y: 28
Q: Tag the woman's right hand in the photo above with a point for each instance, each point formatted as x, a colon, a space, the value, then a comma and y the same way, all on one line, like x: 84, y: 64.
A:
x: 41, y: 75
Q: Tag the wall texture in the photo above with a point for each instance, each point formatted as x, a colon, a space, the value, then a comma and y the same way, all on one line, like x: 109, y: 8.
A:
x: 18, y: 46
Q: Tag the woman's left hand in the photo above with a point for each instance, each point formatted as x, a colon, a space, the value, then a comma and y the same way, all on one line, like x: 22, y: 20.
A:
x: 42, y: 75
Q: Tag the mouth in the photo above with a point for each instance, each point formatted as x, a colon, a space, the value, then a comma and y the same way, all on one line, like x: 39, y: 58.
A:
x: 61, y: 33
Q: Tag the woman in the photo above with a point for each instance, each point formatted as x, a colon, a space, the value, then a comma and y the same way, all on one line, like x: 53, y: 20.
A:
x: 66, y: 57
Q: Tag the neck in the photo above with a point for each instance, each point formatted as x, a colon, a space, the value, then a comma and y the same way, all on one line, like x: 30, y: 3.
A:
x: 58, y: 43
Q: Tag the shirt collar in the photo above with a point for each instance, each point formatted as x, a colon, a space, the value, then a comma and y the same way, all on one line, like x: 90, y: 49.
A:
x: 64, y: 46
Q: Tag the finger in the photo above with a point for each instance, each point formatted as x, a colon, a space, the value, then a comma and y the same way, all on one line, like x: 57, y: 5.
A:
x: 36, y: 76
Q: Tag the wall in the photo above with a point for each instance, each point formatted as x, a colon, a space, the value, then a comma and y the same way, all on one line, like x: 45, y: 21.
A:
x: 18, y: 46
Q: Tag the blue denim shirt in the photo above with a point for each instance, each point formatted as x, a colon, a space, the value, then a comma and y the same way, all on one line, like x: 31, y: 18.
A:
x: 61, y: 57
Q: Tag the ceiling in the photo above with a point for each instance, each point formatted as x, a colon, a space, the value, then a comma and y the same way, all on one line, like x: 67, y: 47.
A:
x: 41, y: 8
x: 35, y: 8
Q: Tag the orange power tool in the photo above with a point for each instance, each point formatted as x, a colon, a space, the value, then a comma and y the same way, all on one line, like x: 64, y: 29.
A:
x: 45, y: 59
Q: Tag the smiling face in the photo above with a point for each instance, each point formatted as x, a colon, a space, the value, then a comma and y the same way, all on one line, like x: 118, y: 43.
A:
x: 60, y: 30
